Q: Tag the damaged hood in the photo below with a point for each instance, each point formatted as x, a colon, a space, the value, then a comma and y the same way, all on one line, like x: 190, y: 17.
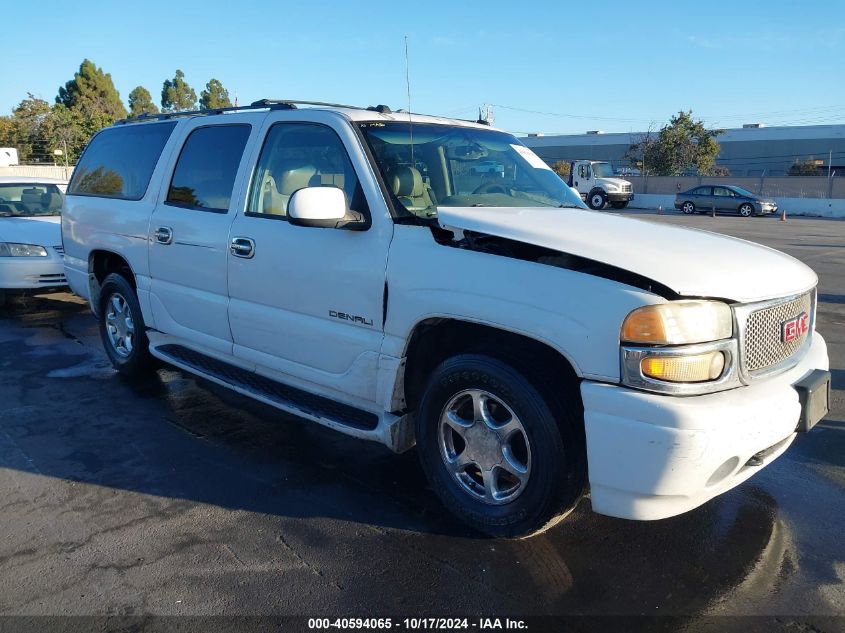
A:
x: 691, y: 262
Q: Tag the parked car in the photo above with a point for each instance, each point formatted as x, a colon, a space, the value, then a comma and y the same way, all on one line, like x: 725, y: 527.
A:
x: 528, y: 346
x: 725, y: 198
x: 30, y: 236
x: 488, y: 167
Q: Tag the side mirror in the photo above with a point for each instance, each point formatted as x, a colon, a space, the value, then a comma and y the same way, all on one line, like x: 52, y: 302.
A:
x: 323, y: 207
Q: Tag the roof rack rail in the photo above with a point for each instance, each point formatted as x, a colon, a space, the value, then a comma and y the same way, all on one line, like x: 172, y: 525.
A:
x: 261, y: 104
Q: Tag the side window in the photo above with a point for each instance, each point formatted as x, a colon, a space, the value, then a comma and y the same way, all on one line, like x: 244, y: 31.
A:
x: 702, y: 191
x: 205, y: 172
x: 721, y: 191
x: 119, y: 161
x: 584, y: 171
x: 299, y: 155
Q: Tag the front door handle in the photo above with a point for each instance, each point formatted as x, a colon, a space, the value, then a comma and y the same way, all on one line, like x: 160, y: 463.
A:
x: 164, y: 235
x: 242, y: 247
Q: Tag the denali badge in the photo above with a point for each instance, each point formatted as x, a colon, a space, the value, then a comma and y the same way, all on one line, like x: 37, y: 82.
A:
x: 350, y: 317
x: 794, y: 328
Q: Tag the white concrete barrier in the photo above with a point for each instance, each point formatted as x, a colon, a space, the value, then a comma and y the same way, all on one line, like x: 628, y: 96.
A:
x: 823, y: 207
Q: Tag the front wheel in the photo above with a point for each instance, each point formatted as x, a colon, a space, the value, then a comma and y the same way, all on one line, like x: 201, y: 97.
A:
x: 746, y: 210
x: 502, y: 457
x: 122, y: 327
x: 597, y: 199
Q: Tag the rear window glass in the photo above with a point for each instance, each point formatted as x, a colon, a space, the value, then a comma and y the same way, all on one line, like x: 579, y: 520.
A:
x: 119, y: 161
x: 205, y: 173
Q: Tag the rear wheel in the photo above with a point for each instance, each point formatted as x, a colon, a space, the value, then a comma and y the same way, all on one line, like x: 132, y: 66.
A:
x: 122, y: 327
x: 688, y: 207
x: 500, y: 455
x: 746, y: 210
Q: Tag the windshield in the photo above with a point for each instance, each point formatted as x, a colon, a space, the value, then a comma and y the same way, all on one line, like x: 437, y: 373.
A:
x: 603, y: 170
x: 29, y: 199
x: 455, y: 166
x: 744, y: 192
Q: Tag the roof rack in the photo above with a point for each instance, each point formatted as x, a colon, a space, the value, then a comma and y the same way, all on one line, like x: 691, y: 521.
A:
x: 261, y: 104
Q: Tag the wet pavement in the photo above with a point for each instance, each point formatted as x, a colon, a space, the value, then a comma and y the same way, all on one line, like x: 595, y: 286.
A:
x: 174, y: 496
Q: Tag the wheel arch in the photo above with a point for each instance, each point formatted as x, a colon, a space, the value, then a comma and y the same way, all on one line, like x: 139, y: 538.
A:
x: 101, y: 263
x: 433, y: 340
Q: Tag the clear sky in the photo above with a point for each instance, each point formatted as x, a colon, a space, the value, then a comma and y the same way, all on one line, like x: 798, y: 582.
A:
x: 549, y: 66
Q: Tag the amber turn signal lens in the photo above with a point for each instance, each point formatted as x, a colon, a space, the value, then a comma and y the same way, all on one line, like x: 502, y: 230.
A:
x: 695, y: 368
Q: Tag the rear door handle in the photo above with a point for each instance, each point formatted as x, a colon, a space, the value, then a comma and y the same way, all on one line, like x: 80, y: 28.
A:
x: 164, y: 235
x: 242, y: 247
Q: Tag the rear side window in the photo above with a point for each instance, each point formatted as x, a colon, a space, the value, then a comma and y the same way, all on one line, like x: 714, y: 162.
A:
x: 119, y: 161
x: 205, y: 173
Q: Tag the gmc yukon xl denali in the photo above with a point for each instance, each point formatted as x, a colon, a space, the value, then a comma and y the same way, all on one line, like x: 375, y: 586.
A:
x: 350, y: 266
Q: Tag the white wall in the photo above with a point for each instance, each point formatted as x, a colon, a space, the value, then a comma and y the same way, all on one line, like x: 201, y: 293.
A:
x: 38, y: 171
x: 829, y: 208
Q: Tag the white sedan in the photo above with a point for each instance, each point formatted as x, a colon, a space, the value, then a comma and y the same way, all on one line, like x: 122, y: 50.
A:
x: 31, y: 254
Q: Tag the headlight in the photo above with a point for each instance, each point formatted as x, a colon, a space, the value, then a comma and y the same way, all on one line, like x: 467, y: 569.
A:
x: 10, y: 249
x: 678, y: 323
x: 611, y: 187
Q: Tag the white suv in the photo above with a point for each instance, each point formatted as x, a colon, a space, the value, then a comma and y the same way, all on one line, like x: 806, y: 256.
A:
x: 350, y: 266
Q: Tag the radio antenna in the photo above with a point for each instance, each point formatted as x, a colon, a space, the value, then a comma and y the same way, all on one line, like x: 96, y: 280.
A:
x: 408, y: 88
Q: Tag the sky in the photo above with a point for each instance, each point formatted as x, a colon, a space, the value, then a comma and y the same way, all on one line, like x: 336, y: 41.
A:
x: 545, y: 66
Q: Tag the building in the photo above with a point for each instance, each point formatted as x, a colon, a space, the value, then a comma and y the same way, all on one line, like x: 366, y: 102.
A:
x: 752, y: 150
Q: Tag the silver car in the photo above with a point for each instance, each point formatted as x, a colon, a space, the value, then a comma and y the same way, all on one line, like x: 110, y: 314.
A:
x: 730, y: 198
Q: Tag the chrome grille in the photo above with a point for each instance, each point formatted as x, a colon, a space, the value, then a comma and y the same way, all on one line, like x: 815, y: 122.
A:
x: 627, y: 188
x: 59, y: 249
x: 764, y: 346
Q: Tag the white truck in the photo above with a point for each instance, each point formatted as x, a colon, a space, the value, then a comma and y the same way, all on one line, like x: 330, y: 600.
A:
x: 532, y: 349
x: 598, y: 186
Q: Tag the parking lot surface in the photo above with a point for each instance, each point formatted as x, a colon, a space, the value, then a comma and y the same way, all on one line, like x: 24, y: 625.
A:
x: 175, y: 496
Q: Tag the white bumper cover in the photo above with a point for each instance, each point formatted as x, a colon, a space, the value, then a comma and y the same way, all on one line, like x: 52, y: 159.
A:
x: 26, y: 273
x: 653, y: 456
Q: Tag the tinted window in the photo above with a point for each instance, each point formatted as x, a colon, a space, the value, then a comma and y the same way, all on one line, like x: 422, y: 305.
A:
x: 206, y: 169
x: 702, y: 191
x: 119, y: 161
x: 298, y: 155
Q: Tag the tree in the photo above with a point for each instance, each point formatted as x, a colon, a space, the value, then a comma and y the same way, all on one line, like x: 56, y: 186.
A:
x: 177, y: 95
x: 92, y: 92
x: 561, y: 168
x: 27, y: 130
x: 682, y: 146
x: 214, y: 96
x: 804, y: 167
x: 141, y: 102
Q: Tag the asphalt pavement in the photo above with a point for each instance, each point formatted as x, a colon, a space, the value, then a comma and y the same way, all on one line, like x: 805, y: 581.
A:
x: 174, y: 497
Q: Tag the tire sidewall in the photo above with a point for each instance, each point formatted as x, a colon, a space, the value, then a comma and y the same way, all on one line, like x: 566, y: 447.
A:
x: 139, y: 359
x: 547, y: 487
x: 597, y: 193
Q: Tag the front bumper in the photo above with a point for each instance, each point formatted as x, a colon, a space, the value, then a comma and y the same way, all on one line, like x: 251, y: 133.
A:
x: 30, y: 273
x: 618, y: 196
x: 653, y: 456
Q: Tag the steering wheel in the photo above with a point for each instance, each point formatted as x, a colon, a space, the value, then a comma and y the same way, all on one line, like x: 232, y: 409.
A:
x: 491, y: 187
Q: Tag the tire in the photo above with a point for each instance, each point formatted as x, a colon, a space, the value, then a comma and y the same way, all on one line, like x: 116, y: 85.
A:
x: 619, y: 205
x: 597, y: 199
x: 122, y: 328
x: 544, y: 445
x: 746, y: 210
x: 688, y: 207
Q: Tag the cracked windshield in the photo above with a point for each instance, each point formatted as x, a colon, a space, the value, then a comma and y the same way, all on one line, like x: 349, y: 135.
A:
x: 430, y: 165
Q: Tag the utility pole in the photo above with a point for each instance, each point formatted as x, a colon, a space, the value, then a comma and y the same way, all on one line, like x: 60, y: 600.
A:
x: 829, y: 161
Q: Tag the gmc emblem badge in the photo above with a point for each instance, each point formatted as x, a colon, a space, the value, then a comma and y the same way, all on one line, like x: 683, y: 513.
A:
x: 794, y: 328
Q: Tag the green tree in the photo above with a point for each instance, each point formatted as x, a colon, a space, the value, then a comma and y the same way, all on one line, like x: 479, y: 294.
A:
x: 177, y: 95
x: 214, y: 96
x: 561, y: 168
x: 28, y: 130
x: 682, y: 146
x: 92, y: 92
x: 804, y: 167
x: 141, y: 102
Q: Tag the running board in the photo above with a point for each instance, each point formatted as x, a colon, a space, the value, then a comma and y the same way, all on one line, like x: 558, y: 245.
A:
x: 297, y: 401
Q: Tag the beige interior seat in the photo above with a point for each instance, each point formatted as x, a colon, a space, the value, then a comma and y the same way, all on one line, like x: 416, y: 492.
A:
x: 31, y: 199
x: 408, y: 186
x: 291, y: 179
